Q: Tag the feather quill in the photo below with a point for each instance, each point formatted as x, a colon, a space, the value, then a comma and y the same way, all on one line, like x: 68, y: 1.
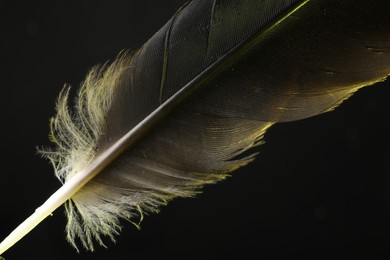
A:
x: 189, y: 106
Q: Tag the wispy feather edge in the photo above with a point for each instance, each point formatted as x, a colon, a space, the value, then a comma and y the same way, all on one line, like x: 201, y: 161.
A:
x: 76, y: 133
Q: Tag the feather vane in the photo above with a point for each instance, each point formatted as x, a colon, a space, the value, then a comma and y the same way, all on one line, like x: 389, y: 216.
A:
x: 190, y: 105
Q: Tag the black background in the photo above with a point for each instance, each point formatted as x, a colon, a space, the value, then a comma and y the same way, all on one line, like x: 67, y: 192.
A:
x: 319, y: 189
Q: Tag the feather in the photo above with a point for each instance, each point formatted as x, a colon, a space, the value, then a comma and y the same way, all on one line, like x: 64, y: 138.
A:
x: 193, y: 102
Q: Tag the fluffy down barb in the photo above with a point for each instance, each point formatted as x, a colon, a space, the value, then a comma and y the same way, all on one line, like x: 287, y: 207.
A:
x: 76, y: 135
x: 95, y: 211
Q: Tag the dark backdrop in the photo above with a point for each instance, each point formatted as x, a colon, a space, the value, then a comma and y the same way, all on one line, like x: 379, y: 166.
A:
x: 319, y: 189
